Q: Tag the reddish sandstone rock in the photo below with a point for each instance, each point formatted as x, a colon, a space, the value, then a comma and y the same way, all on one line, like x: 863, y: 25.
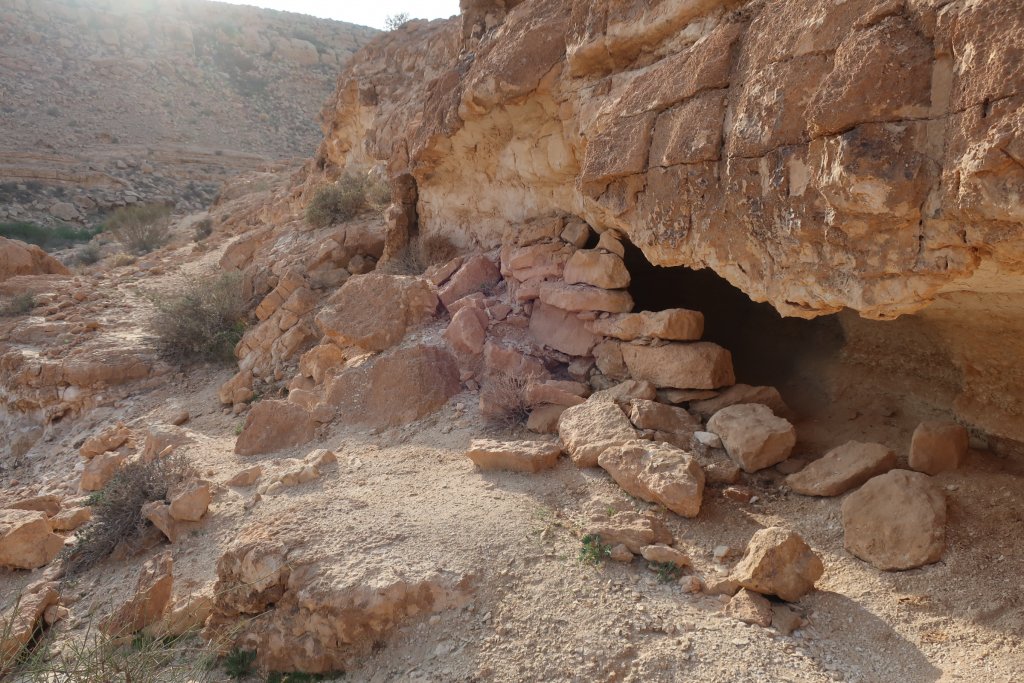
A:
x: 750, y: 608
x: 843, y: 468
x: 514, y: 456
x: 100, y: 469
x: 191, y: 504
x: 634, y: 530
x: 597, y: 268
x: 274, y: 425
x: 27, y: 540
x: 152, y: 595
x: 896, y: 521
x: 778, y: 562
x: 107, y: 440
x: 658, y: 473
x: 374, y: 311
x: 938, y: 447
x: 476, y: 274
x: 592, y: 427
x: 739, y: 394
x: 19, y: 258
x: 561, y: 330
x: 701, y: 365
x: 23, y: 619
x: 753, y: 436
x: 664, y: 554
x: 50, y: 504
x: 645, y: 414
x: 467, y: 331
x: 674, y: 324
x: 584, y: 298
x: 394, y: 388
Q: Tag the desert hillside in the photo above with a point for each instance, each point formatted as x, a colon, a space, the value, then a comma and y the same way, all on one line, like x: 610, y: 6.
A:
x: 628, y: 340
x: 106, y: 101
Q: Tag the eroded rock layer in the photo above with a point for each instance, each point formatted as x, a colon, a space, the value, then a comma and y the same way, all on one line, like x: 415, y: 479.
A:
x: 864, y: 154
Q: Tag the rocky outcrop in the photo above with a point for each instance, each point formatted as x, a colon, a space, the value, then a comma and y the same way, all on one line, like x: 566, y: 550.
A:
x: 820, y: 156
x: 18, y: 258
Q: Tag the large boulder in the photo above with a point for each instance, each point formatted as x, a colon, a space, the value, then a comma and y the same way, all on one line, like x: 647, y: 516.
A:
x: 896, y: 521
x: 27, y: 540
x: 700, y: 365
x: 590, y: 428
x: 561, y: 330
x: 658, y: 473
x: 753, y: 436
x: 273, y: 425
x: 778, y: 562
x: 394, y: 388
x: 843, y: 468
x: 374, y: 311
x: 19, y: 258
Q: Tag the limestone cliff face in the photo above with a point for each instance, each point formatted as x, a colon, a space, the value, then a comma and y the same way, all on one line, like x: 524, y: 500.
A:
x: 862, y: 154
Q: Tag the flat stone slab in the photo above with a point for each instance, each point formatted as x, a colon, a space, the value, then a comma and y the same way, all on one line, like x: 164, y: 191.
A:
x: 514, y: 456
x: 843, y: 468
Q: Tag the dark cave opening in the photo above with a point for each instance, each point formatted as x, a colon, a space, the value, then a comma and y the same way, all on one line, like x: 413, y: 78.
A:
x: 766, y: 347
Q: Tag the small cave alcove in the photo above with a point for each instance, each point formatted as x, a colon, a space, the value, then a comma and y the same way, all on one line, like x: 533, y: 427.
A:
x: 766, y: 347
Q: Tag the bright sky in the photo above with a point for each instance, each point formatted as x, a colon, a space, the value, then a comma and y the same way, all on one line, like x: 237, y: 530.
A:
x: 363, y: 12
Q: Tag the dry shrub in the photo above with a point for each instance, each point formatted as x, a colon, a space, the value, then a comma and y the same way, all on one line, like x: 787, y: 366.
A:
x: 421, y: 253
x: 141, y: 228
x: 21, y: 304
x: 116, y: 509
x: 202, y: 230
x: 505, y: 394
x: 121, y: 259
x: 204, y: 321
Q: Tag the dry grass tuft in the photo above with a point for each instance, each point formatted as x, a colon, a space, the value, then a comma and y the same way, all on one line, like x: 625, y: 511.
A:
x: 203, y: 322
x: 141, y: 228
x: 345, y: 199
x: 505, y: 394
x: 421, y: 253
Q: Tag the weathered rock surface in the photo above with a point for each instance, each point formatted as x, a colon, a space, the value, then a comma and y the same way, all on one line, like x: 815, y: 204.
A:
x: 394, y: 388
x: 634, y: 530
x: 701, y: 365
x: 587, y: 430
x: 750, y: 608
x: 739, y: 394
x: 147, y: 605
x: 896, y: 521
x: 658, y: 473
x: 19, y: 258
x: 273, y: 425
x: 190, y: 504
x: 674, y: 324
x: 778, y: 562
x: 753, y: 436
x: 374, y: 311
x: 22, y: 620
x: 664, y: 554
x: 646, y: 414
x: 597, y: 268
x: 938, y: 447
x: 476, y: 274
x: 843, y: 468
x: 514, y: 456
x: 561, y: 330
x: 27, y: 540
x: 585, y: 298
x: 107, y: 440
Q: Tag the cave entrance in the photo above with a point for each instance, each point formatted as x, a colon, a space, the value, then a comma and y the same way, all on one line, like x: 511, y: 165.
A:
x: 766, y: 347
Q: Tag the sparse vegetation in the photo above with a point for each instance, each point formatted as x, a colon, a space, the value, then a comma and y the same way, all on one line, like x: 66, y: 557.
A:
x: 667, y: 571
x: 116, y: 516
x: 141, y: 228
x: 345, y: 199
x: 506, y: 393
x: 395, y: 21
x: 593, y: 551
x: 419, y: 254
x: 21, y: 304
x: 299, y: 677
x: 202, y: 230
x: 122, y: 259
x: 203, y: 322
x: 239, y: 663
x: 101, y: 658
x: 49, y: 238
x: 88, y: 254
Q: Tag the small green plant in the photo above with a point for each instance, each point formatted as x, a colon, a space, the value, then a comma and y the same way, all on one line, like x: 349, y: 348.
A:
x: 204, y: 321
x: 238, y: 428
x: 20, y: 304
x: 141, y: 228
x: 239, y: 663
x: 593, y: 551
x: 345, y: 199
x: 667, y: 571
